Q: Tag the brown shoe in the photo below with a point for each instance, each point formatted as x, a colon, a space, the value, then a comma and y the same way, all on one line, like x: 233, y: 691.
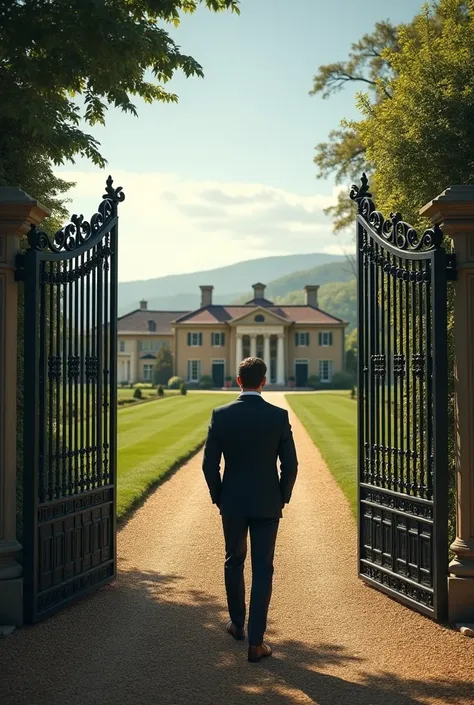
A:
x: 237, y: 632
x: 256, y: 653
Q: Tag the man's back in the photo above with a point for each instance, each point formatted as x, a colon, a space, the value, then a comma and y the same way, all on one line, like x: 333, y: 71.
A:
x: 251, y: 435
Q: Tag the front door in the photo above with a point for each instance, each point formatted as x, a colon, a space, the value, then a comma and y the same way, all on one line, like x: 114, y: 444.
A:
x: 218, y: 373
x: 301, y: 373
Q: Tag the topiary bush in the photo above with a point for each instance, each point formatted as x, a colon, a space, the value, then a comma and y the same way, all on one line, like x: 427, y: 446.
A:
x: 175, y: 383
x: 137, y: 394
x: 160, y: 391
x: 206, y: 382
x: 183, y: 389
x: 342, y: 380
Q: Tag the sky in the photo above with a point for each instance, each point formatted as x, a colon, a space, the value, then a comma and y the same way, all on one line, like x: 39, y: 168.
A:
x: 227, y: 174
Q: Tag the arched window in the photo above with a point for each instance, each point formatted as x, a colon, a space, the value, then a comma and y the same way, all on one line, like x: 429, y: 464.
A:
x: 151, y: 326
x: 259, y: 318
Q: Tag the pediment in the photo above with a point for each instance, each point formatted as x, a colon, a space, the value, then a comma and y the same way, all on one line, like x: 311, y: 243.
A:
x: 260, y: 316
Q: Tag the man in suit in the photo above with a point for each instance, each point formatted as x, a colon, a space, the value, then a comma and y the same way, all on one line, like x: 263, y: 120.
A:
x: 251, y: 435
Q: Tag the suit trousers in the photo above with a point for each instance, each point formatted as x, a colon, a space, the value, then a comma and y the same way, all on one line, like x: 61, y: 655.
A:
x: 263, y: 533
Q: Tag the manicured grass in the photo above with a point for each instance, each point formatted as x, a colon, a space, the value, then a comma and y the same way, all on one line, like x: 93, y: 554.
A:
x: 154, y: 438
x: 331, y: 420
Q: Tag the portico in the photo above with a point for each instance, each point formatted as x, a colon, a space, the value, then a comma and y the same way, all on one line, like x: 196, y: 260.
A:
x: 266, y: 342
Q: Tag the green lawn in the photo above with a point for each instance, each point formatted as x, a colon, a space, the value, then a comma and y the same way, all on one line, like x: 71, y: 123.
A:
x: 331, y: 420
x: 153, y: 438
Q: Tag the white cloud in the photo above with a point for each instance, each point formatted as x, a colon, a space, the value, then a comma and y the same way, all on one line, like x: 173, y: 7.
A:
x: 170, y: 225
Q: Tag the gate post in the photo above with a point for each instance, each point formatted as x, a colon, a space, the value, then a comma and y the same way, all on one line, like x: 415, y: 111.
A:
x: 454, y: 211
x: 17, y: 212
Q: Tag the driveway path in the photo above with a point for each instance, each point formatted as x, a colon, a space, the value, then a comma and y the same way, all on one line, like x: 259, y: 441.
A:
x: 157, y: 635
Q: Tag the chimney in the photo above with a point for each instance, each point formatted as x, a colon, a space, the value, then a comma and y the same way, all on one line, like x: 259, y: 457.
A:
x: 206, y: 296
x: 258, y: 291
x: 143, y: 305
x: 312, y: 295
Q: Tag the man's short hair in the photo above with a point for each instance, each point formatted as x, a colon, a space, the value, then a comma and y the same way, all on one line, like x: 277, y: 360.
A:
x: 252, y: 370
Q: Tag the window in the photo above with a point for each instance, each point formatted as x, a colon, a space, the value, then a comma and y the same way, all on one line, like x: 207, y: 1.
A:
x: 152, y: 326
x: 147, y: 372
x: 194, y: 340
x: 325, y: 370
x: 325, y: 339
x: 152, y: 345
x: 259, y: 318
x: 301, y: 340
x: 217, y: 340
x: 194, y: 370
x: 121, y: 345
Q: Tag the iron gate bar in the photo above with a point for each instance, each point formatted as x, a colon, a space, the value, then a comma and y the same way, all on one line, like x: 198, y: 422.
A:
x: 402, y: 447
x: 70, y: 408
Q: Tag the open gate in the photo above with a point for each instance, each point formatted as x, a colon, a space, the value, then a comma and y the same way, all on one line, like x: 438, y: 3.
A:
x: 402, y: 408
x: 70, y: 408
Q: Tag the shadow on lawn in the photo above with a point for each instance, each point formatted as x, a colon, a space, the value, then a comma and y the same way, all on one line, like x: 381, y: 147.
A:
x: 149, y: 640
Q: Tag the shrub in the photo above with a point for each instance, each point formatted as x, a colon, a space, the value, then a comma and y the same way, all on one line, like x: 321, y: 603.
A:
x: 314, y: 382
x: 183, y: 389
x: 163, y: 367
x: 142, y: 385
x: 353, y: 392
x: 342, y: 380
x: 206, y: 382
x: 137, y: 394
x: 160, y: 391
x: 175, y: 383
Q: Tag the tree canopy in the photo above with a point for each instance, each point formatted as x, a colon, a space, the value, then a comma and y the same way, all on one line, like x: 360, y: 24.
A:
x: 417, y: 104
x: 64, y: 62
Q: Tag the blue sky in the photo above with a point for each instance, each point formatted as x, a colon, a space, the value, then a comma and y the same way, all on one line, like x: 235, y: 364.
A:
x: 227, y: 174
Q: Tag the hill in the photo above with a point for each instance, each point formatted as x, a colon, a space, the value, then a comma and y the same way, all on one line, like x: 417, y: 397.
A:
x: 181, y: 291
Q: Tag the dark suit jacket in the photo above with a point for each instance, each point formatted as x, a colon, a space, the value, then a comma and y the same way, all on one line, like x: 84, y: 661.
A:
x: 251, y: 435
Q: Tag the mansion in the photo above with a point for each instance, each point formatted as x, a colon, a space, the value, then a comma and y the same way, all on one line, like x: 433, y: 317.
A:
x: 295, y: 342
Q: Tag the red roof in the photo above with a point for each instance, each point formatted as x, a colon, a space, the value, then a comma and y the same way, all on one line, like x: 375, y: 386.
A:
x: 226, y: 314
x: 137, y: 321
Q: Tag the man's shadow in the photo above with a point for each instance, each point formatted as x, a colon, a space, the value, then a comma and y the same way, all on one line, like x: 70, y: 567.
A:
x: 151, y: 640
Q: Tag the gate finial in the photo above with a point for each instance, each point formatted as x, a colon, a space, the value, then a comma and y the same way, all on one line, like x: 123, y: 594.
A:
x: 358, y: 193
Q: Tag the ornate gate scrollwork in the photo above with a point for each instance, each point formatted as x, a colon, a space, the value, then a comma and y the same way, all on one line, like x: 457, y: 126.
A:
x: 70, y: 408
x: 402, y: 407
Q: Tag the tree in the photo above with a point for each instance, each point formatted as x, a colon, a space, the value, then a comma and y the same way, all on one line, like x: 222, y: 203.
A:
x: 163, y: 367
x: 63, y: 63
x: 371, y: 64
x: 422, y: 140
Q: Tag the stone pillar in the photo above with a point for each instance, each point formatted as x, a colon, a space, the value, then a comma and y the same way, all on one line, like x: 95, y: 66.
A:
x: 266, y: 355
x: 281, y: 359
x: 17, y: 212
x: 453, y: 210
x: 239, y: 350
x: 253, y: 344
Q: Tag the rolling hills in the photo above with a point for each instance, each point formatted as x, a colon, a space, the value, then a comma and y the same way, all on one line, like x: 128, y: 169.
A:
x: 335, y: 275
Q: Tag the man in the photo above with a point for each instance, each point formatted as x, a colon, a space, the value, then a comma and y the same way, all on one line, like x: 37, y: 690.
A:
x: 251, y: 435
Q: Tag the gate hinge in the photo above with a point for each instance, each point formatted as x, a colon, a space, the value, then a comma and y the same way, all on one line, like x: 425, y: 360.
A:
x: 451, y: 267
x: 20, y: 267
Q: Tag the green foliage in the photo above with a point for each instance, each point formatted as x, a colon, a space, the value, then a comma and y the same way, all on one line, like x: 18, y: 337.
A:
x: 160, y: 391
x: 68, y: 85
x: 137, y: 394
x: 314, y: 382
x: 206, y: 382
x: 351, y: 352
x: 163, y: 367
x: 342, y: 380
x: 175, y: 382
x: 142, y: 385
x: 183, y: 389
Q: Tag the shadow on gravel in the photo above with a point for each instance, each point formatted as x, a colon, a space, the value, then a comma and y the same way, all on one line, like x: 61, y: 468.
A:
x: 149, y: 640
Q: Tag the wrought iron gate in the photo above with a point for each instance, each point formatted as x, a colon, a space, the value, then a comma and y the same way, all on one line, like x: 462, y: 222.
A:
x: 70, y: 408
x: 402, y: 408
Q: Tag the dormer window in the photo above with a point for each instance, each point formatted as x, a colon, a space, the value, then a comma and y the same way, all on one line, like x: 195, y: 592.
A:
x: 152, y: 326
x: 259, y: 318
